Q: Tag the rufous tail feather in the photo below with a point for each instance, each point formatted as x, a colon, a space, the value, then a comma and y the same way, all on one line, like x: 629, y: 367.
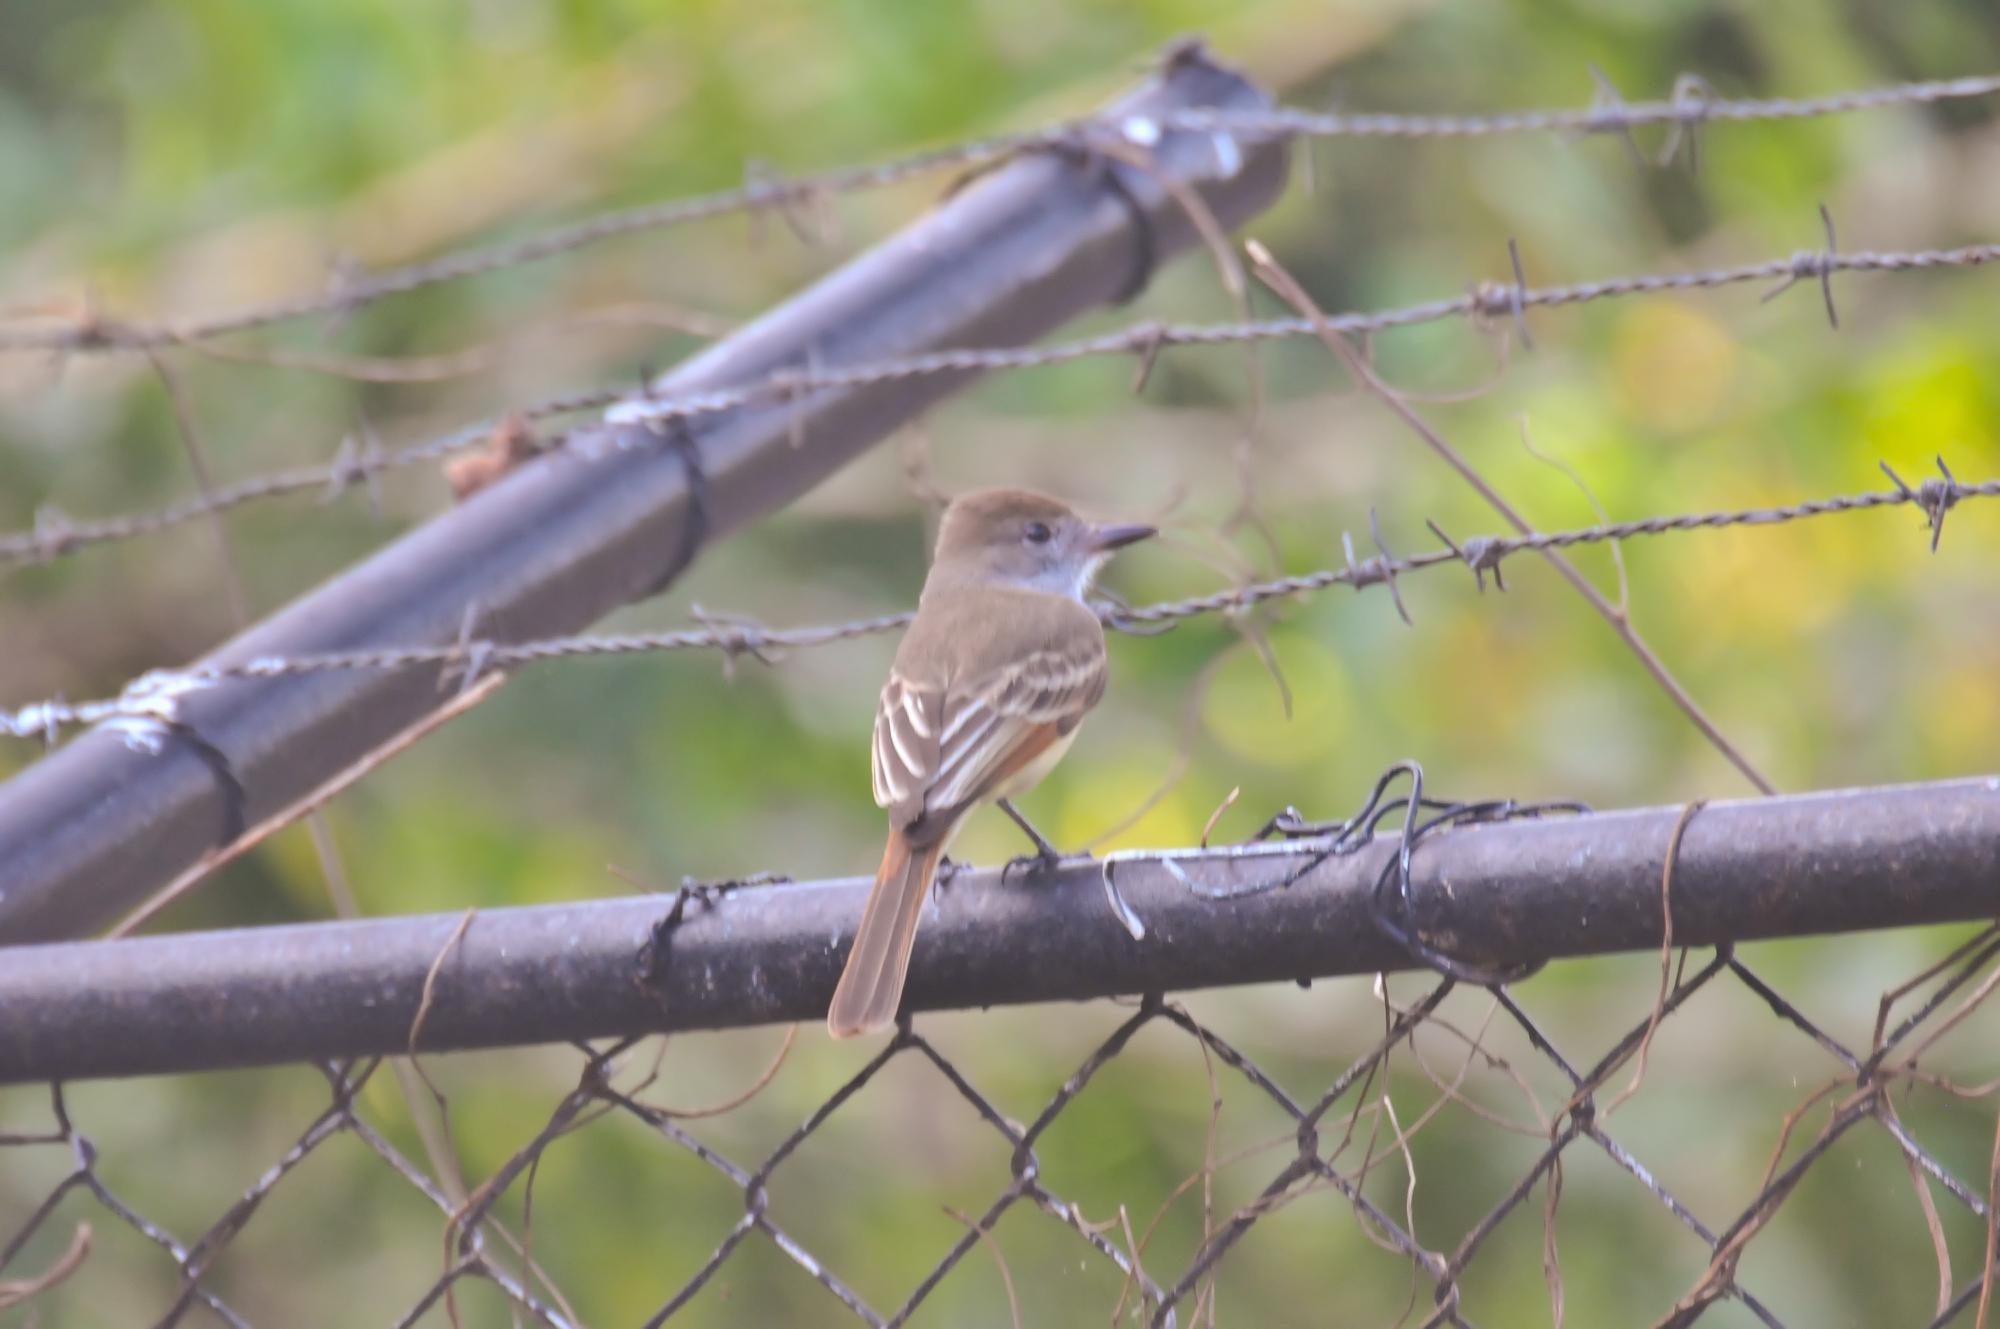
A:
x: 871, y: 987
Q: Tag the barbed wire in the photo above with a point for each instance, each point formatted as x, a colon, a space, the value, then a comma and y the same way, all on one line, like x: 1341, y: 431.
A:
x: 55, y: 534
x: 1691, y: 105
x: 156, y: 693
x: 358, y: 462
x: 1353, y: 1112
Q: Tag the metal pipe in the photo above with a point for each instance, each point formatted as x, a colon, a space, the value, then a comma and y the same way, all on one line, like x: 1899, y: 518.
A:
x: 1498, y: 894
x: 88, y: 831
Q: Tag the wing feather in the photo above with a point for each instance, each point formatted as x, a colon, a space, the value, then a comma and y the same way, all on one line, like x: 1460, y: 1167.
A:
x: 917, y: 705
x: 963, y: 714
x: 894, y: 766
x: 993, y: 722
x: 903, y: 736
x: 976, y: 750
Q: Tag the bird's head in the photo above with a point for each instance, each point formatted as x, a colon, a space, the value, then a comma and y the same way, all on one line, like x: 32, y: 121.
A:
x: 1017, y: 537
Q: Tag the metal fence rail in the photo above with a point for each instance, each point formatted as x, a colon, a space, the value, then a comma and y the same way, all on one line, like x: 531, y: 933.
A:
x: 1496, y: 896
x: 1446, y: 905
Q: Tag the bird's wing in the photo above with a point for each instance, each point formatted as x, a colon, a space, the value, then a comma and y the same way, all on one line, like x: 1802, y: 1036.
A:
x: 943, y: 743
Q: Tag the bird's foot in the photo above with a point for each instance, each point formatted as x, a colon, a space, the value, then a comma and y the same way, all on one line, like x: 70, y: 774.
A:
x: 1045, y: 860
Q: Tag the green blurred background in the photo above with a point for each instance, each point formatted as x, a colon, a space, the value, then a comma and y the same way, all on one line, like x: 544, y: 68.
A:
x: 172, y: 159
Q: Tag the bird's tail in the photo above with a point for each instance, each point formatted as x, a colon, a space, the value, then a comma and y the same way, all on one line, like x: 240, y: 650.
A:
x: 871, y: 987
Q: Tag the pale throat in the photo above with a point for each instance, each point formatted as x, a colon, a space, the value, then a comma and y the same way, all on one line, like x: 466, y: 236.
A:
x: 1072, y: 580
x: 1067, y: 579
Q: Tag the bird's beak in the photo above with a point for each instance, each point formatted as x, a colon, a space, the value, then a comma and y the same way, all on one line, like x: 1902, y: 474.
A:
x: 1105, y: 538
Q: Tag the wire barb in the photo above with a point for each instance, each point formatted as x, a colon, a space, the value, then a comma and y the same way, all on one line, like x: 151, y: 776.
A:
x: 1935, y: 496
x: 1388, y: 566
x: 1517, y: 297
x: 1817, y: 265
x: 1482, y: 554
x: 1693, y: 103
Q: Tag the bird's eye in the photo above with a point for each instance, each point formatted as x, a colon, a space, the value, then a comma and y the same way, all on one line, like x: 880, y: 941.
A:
x: 1038, y: 533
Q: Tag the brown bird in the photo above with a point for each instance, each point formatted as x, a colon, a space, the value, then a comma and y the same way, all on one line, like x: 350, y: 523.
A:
x: 996, y: 671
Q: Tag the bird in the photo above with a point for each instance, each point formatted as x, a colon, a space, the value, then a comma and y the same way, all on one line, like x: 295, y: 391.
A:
x: 998, y: 667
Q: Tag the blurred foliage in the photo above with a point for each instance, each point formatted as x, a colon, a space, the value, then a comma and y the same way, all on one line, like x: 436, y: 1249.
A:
x: 184, y: 156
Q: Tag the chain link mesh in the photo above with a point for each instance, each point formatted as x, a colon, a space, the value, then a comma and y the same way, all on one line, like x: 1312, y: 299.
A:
x: 1344, y: 1130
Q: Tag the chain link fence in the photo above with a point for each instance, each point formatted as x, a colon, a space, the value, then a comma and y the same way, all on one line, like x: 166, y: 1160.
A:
x: 1371, y: 1124
x: 1404, y: 1149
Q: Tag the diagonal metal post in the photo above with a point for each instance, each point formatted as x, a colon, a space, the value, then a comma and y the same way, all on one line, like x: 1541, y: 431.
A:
x: 616, y: 515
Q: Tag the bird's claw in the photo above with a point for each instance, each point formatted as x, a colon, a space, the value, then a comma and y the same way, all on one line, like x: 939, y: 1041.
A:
x: 1036, y: 864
